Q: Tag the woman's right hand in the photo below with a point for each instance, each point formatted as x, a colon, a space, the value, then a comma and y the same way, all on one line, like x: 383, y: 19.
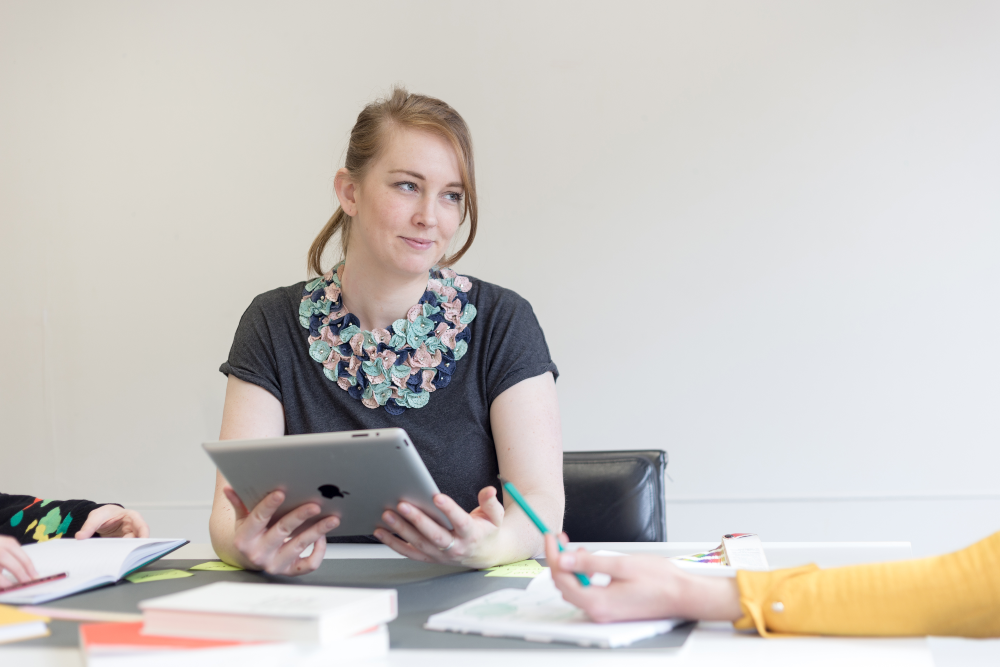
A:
x: 642, y: 587
x: 278, y: 549
x: 16, y: 561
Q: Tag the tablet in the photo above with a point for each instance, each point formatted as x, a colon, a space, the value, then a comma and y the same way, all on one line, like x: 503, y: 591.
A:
x: 355, y: 475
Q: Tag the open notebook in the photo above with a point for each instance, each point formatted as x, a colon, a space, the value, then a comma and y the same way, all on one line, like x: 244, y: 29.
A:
x: 87, y: 564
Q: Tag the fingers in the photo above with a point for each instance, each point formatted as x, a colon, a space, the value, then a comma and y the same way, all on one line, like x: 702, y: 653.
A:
x: 286, y: 527
x: 314, y: 533
x: 16, y: 561
x: 240, y: 509
x: 277, y: 549
x: 139, y: 527
x: 590, y: 599
x: 113, y: 521
x: 413, y: 537
x: 274, y: 553
x: 95, y: 520
x: 289, y: 556
x: 258, y: 519
x: 564, y: 579
x: 430, y: 529
x: 314, y: 560
x: 594, y: 601
x: 13, y: 564
x: 617, y: 567
x: 401, y: 547
x: 460, y: 520
x: 491, y: 506
x: 551, y: 551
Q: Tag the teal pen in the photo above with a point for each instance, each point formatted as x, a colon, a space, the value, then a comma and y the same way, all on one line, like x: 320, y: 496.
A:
x: 537, y: 520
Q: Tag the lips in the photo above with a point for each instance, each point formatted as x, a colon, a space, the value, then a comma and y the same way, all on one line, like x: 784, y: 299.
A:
x: 418, y: 244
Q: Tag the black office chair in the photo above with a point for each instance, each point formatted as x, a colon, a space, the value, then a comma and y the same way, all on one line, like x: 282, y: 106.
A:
x: 615, y: 496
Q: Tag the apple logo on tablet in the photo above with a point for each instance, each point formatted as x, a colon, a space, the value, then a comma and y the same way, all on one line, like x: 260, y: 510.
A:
x: 332, y: 491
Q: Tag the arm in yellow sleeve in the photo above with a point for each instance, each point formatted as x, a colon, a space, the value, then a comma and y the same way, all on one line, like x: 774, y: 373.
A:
x: 957, y: 594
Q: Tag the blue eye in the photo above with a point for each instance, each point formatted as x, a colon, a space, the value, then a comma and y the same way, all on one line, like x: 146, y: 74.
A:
x: 454, y: 197
x: 407, y: 186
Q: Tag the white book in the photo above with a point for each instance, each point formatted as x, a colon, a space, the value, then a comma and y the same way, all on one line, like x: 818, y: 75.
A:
x: 87, y: 564
x: 541, y: 615
x: 122, y: 646
x: 269, y: 612
x: 368, y: 645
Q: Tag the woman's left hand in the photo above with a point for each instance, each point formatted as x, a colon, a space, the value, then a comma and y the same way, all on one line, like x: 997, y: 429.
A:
x: 113, y: 521
x: 471, y: 543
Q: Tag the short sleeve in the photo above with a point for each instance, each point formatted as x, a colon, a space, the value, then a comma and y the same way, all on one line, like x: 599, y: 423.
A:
x: 518, y: 350
x: 252, y: 356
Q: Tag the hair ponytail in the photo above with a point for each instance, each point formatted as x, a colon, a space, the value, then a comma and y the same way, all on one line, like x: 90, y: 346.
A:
x: 339, y: 221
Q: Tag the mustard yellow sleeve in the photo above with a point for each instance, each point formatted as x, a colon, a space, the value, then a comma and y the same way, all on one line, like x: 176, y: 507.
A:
x: 957, y: 594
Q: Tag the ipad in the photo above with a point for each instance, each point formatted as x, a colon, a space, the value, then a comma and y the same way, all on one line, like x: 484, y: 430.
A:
x: 355, y: 475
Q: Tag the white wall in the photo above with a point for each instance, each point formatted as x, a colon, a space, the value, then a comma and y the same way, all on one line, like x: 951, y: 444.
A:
x: 763, y: 236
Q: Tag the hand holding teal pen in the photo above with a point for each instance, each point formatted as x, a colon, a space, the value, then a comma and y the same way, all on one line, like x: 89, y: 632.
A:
x: 519, y: 499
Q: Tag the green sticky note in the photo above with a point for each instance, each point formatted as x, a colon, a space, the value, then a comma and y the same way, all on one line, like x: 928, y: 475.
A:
x: 157, y: 575
x: 216, y: 566
x: 525, y: 569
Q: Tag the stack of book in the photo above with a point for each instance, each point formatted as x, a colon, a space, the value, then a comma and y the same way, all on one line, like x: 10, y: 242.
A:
x: 16, y: 625
x: 248, y: 624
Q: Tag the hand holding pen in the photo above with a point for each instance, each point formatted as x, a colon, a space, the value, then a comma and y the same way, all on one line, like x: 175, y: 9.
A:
x: 14, y: 560
x: 642, y: 587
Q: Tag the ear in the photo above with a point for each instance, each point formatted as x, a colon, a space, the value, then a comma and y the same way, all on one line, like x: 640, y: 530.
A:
x: 346, y: 188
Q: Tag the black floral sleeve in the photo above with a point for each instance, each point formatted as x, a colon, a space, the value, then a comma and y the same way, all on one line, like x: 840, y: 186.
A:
x: 28, y: 519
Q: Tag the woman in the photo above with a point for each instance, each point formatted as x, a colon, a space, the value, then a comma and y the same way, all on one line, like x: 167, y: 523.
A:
x: 27, y: 519
x: 957, y: 594
x: 391, y: 337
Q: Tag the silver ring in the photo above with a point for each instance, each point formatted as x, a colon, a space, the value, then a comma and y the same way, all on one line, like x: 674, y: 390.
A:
x: 449, y: 546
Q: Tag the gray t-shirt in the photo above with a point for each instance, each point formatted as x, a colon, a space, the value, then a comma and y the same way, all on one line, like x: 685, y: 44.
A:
x: 452, y: 431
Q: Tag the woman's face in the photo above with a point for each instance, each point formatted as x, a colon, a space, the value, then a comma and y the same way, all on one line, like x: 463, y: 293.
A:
x: 408, y: 206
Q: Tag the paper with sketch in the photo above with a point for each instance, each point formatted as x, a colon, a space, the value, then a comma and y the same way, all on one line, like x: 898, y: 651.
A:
x: 539, y: 614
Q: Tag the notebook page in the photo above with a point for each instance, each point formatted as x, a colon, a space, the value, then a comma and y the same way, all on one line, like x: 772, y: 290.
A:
x: 540, y: 615
x: 87, y: 563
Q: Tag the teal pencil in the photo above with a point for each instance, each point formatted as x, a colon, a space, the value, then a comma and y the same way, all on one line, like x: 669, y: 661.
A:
x: 537, y: 520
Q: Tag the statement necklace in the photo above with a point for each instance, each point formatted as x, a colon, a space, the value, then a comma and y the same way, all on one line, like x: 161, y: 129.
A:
x: 397, y: 369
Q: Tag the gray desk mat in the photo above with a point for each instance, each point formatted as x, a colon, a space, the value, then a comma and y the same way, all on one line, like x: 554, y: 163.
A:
x: 424, y: 589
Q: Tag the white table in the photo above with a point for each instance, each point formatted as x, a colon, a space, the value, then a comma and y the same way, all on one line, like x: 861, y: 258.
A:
x: 709, y: 643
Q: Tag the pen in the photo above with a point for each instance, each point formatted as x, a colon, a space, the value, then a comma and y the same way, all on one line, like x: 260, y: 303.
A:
x: 519, y: 499
x: 33, y: 582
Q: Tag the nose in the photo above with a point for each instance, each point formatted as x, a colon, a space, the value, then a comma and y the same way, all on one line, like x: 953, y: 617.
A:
x: 426, y: 213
